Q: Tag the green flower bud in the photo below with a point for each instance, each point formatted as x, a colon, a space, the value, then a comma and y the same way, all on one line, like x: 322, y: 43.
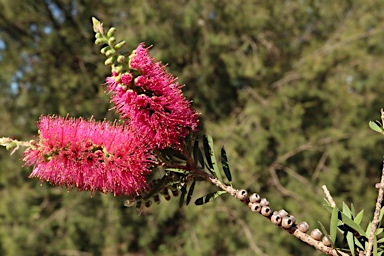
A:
x: 121, y: 59
x: 118, y: 69
x: 100, y: 41
x: 110, y: 53
x: 105, y: 49
x: 98, y: 35
x: 112, y: 40
x: 119, y: 45
x: 111, y: 32
x: 109, y: 61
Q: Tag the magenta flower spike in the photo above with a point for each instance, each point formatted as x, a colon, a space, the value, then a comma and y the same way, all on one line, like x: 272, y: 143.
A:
x: 151, y: 101
x: 90, y: 155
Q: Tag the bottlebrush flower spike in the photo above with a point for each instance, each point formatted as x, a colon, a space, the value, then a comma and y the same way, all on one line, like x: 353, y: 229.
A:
x: 90, y: 155
x: 152, y: 101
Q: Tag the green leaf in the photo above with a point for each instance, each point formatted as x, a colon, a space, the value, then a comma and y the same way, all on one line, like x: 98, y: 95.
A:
x: 347, y: 211
x: 326, y: 234
x: 207, y: 152
x: 349, y: 222
x: 208, y: 144
x: 381, y: 240
x: 368, y: 231
x: 197, y: 155
x: 182, y: 196
x: 374, y: 251
x: 351, y: 243
x: 224, y: 162
x: 176, y: 170
x: 190, y: 192
x: 333, y: 224
x: 359, y: 217
x: 374, y: 126
x: 328, y: 207
x: 209, y: 197
x: 381, y: 214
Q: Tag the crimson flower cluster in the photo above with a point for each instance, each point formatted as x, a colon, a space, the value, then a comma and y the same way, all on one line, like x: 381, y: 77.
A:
x: 152, y: 101
x: 89, y: 155
x: 106, y: 157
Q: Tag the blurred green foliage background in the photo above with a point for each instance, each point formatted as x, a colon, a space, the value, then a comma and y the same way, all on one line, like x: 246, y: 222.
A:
x: 288, y: 87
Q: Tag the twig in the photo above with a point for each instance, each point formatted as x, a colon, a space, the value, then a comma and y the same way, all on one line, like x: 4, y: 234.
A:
x: 376, y: 215
x: 375, y: 220
x: 9, y: 143
x: 328, y: 196
x: 293, y: 230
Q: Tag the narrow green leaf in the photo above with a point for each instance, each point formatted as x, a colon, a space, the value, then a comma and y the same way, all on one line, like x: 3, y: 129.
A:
x: 357, y: 242
x: 368, y: 231
x: 213, y: 162
x: 381, y: 214
x: 351, y: 243
x: 209, y: 197
x: 328, y: 207
x: 197, y: 155
x: 381, y: 240
x: 379, y: 231
x: 190, y: 192
x: 374, y: 251
x: 207, y: 152
x: 348, y: 221
x: 359, y: 217
x: 326, y: 234
x: 182, y: 196
x: 176, y: 170
x: 224, y: 162
x: 374, y: 126
x: 346, y: 210
x: 333, y: 224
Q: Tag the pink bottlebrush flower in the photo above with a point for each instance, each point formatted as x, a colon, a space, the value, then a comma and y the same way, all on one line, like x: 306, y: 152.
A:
x: 89, y: 155
x: 153, y: 102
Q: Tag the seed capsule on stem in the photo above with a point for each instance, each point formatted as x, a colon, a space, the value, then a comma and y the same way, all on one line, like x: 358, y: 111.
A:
x: 283, y: 213
x: 288, y: 221
x: 326, y: 241
x: 265, y: 211
x: 254, y: 198
x: 316, y: 234
x: 303, y: 227
x: 255, y: 207
x: 264, y: 202
x: 242, y: 194
x: 276, y: 219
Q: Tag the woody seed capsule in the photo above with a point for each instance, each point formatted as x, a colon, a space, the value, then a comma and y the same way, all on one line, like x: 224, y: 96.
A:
x: 326, y: 241
x: 316, y: 234
x: 264, y: 202
x: 276, y: 219
x: 255, y: 207
x: 283, y: 213
x: 265, y: 211
x: 288, y: 221
x: 242, y: 194
x: 303, y: 227
x: 254, y: 198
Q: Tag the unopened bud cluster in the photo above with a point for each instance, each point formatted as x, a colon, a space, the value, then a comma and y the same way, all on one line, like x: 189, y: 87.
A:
x: 280, y: 218
x: 119, y: 62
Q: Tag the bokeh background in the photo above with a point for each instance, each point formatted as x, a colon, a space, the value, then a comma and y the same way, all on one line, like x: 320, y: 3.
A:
x: 288, y: 87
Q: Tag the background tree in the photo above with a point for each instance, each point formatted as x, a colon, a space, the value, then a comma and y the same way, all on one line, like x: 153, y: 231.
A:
x: 286, y: 87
